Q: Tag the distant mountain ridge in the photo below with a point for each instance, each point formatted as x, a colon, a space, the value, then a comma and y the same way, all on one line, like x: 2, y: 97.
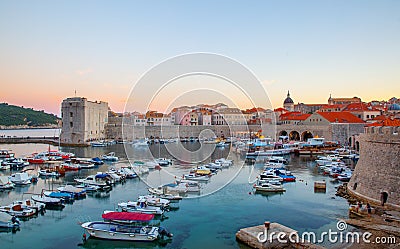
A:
x: 11, y: 115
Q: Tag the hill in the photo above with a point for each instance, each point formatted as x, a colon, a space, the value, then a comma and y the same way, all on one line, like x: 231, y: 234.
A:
x: 11, y: 115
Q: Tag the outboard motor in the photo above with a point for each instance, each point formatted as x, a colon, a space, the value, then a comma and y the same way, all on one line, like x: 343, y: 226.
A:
x: 163, y: 232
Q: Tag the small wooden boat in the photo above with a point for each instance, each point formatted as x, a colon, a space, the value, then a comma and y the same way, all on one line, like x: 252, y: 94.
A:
x: 18, y: 210
x: 31, y: 204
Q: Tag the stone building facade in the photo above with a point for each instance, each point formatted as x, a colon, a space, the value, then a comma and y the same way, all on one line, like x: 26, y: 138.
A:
x: 83, y: 121
x: 378, y: 169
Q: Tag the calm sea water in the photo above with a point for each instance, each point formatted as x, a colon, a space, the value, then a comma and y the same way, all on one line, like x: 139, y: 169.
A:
x: 200, y: 222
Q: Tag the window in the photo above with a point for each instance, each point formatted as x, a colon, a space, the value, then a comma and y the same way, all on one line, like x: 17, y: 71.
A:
x: 71, y: 114
x: 71, y: 124
x: 367, y: 116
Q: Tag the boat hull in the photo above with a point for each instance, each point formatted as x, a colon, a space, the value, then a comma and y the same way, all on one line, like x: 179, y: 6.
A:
x: 112, y: 231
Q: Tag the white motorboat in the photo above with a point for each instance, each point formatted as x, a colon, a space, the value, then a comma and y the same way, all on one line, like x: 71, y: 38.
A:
x: 128, y: 173
x: 95, y: 181
x: 192, y: 186
x: 110, y: 157
x: 345, y: 176
x: 268, y: 187
x: 224, y: 162
x: 46, y: 172
x: 140, y: 170
x: 16, y: 163
x: 277, y: 159
x: 88, y: 188
x: 114, y: 231
x: 141, y: 143
x: 270, y: 175
x: 141, y: 207
x: 163, y: 161
x: 213, y: 166
x: 5, y: 183
x: 49, y: 201
x: 274, y: 165
x: 160, y: 193
x: 153, y: 200
x: 195, y: 177
x: 21, y: 178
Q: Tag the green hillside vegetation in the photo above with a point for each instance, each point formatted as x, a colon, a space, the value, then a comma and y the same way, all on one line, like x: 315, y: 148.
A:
x: 15, y: 115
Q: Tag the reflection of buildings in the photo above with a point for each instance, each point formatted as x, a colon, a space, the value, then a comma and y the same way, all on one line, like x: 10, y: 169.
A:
x: 83, y: 120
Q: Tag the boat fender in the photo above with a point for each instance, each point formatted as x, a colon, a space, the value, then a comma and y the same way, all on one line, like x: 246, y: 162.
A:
x: 84, y: 237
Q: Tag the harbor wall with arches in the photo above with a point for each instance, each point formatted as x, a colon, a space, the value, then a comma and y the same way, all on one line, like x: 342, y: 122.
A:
x: 377, y: 175
x: 340, y: 132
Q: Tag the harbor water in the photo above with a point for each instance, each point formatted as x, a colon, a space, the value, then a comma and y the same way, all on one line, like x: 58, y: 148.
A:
x: 210, y: 220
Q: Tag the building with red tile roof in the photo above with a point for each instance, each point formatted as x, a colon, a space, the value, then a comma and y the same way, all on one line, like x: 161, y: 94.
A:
x: 293, y: 117
x: 362, y: 110
x: 324, y: 118
x: 391, y: 121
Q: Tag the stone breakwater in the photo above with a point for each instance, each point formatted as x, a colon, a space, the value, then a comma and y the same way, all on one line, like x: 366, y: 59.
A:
x: 342, y: 192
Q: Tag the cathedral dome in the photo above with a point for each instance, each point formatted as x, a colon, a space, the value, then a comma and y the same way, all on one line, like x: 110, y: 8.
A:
x: 288, y: 99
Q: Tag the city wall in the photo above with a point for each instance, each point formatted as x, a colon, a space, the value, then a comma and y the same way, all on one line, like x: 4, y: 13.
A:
x: 378, y: 169
x: 117, y: 131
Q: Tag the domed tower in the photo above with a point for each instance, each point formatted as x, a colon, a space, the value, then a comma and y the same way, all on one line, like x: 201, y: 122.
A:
x: 288, y: 104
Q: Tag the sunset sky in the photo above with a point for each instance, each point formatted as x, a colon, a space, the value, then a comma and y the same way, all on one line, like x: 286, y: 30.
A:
x: 49, y: 49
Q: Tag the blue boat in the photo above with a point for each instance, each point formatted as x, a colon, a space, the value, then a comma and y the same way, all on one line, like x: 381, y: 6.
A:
x: 68, y: 197
x: 286, y: 175
x: 97, y: 161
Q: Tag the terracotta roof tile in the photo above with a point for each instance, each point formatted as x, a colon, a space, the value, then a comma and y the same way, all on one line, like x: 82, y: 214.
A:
x: 294, y: 116
x: 340, y: 117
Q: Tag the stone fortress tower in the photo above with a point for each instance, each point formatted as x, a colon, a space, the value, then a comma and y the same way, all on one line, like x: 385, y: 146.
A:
x: 83, y: 121
x: 377, y: 174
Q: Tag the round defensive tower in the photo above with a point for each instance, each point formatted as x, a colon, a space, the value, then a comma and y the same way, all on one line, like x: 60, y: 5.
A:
x: 377, y: 174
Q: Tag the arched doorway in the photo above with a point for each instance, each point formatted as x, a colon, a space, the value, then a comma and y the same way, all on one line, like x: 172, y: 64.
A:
x: 357, y: 146
x: 350, y: 144
x: 283, y: 136
x: 283, y: 133
x: 294, y: 135
x: 306, y: 135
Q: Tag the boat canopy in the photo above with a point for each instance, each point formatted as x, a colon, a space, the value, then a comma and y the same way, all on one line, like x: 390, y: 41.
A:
x: 127, y: 216
x: 101, y: 175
